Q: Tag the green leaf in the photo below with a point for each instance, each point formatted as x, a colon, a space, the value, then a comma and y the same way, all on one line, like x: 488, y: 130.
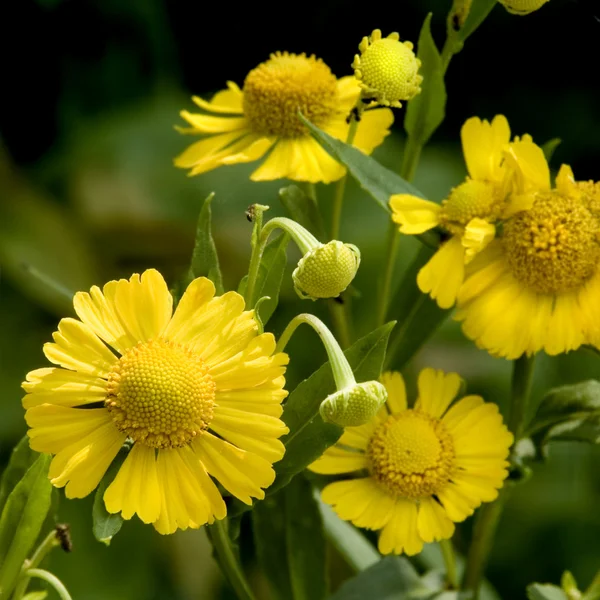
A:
x: 417, y: 315
x: 392, y: 578
x: 539, y: 591
x: 358, y: 552
x: 379, y: 182
x: 303, y: 209
x: 40, y: 595
x: 480, y: 9
x: 22, y: 519
x: 309, y: 436
x: 205, y: 261
x: 21, y: 458
x: 549, y: 148
x: 426, y: 111
x: 570, y: 412
x: 106, y: 525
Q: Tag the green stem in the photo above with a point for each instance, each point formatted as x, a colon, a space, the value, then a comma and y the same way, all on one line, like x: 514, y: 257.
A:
x: 50, y: 542
x: 521, y: 389
x: 450, y: 563
x: 228, y: 561
x: 393, y: 241
x: 340, y: 186
x: 341, y: 323
x: 342, y: 373
x: 53, y: 580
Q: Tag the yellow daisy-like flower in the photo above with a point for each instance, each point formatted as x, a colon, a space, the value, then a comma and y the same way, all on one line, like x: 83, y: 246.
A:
x: 242, y: 126
x: 538, y: 286
x: 470, y: 211
x: 414, y: 472
x: 196, y: 392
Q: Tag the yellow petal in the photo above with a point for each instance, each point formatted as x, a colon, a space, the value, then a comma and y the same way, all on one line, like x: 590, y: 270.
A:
x: 483, y: 144
x: 457, y: 504
x: 241, y: 473
x: 477, y: 235
x: 77, y: 348
x: 401, y: 533
x: 254, y: 151
x: 414, y: 214
x: 518, y: 203
x: 211, y: 124
x: 433, y: 522
x: 443, y: 275
x: 394, y: 384
x: 264, y: 399
x: 565, y: 181
x: 436, y: 390
x: 348, y: 90
x: 278, y: 163
x: 62, y: 387
x: 228, y: 101
x: 530, y: 166
x: 337, y: 460
x: 205, y: 149
x: 460, y: 411
x: 215, y: 158
x: 358, y: 437
x: 135, y: 489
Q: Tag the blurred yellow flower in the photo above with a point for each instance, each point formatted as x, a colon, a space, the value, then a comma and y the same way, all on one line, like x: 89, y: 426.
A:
x: 492, y: 192
x: 414, y: 472
x: 522, y: 7
x: 262, y: 118
x: 538, y: 286
x: 196, y: 392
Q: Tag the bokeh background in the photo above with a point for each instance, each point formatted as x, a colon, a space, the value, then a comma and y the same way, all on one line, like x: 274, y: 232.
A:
x: 90, y: 93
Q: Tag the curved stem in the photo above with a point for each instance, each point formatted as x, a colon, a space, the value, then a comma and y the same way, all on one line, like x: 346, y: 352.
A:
x: 342, y: 373
x: 228, y: 561
x: 450, y: 563
x: 53, y: 580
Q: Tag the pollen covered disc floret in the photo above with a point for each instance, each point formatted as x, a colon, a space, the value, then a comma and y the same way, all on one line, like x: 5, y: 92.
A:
x: 277, y: 89
x: 411, y: 455
x: 160, y: 394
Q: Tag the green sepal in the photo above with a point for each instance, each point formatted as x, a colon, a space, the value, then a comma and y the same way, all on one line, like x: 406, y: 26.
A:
x: 21, y: 522
x: 304, y: 210
x: 550, y: 147
x: 426, y: 111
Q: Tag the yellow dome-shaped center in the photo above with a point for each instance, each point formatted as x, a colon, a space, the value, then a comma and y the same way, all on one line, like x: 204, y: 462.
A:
x: 160, y: 394
x: 554, y: 247
x: 411, y: 455
x: 469, y: 200
x: 277, y: 89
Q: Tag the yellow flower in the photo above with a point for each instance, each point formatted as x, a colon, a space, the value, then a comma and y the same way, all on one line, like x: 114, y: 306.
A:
x: 522, y: 7
x: 196, y: 392
x: 538, y: 286
x: 387, y: 69
x: 244, y: 125
x: 491, y: 192
x: 414, y: 472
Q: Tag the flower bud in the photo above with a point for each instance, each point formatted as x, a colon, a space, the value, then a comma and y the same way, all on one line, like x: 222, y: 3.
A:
x: 387, y: 69
x: 354, y: 405
x: 522, y: 7
x: 326, y: 270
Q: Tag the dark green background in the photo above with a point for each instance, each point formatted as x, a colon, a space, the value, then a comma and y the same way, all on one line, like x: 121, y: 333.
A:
x: 88, y: 192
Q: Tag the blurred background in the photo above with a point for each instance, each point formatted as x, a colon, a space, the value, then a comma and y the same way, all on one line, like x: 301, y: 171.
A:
x: 88, y: 193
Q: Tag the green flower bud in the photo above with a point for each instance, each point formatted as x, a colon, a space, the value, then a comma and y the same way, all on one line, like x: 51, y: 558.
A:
x: 354, y: 405
x: 522, y: 7
x: 326, y: 270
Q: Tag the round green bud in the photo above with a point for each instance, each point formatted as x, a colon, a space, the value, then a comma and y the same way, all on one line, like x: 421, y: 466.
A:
x: 326, y: 271
x: 522, y: 7
x: 354, y: 405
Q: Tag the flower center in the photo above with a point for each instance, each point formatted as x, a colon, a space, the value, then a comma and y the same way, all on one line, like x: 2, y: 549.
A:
x: 160, y: 394
x: 277, y: 89
x: 469, y: 200
x: 554, y: 246
x: 411, y: 455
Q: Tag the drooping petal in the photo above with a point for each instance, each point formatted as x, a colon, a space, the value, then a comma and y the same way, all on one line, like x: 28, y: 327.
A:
x: 254, y: 151
x: 206, y: 148
x: 401, y: 533
x: 394, y: 385
x: 336, y: 460
x: 413, y: 214
x: 433, y: 523
x: 265, y: 399
x: 457, y: 504
x: 212, y: 124
x: 214, y: 159
x: 436, y: 390
x: 229, y: 101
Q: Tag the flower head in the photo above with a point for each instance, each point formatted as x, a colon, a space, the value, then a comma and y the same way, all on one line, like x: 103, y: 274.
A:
x: 387, y: 69
x: 327, y: 270
x: 497, y: 187
x: 242, y: 125
x: 522, y: 7
x: 537, y: 287
x: 414, y: 472
x: 197, y: 393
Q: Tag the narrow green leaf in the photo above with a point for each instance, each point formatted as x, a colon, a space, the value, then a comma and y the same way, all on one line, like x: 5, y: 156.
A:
x: 549, y: 148
x: 40, y: 595
x: 379, y: 182
x: 392, y: 578
x: 539, y: 591
x: 106, y: 525
x: 205, y: 261
x: 21, y: 458
x: 22, y: 519
x: 305, y: 541
x: 570, y: 412
x: 480, y: 9
x: 426, y: 111
x: 356, y: 549
x: 303, y: 209
x: 309, y: 436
